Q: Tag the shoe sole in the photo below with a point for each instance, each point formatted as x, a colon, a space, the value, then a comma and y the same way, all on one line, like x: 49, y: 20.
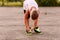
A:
x: 28, y: 34
x: 40, y: 33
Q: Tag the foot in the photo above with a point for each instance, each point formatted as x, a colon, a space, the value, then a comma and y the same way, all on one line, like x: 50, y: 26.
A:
x: 37, y: 30
x: 29, y: 32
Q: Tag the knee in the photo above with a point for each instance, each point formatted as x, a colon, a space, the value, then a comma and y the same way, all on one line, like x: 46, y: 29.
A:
x: 27, y: 16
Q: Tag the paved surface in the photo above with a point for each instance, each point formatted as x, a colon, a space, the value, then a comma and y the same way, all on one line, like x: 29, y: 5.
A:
x: 12, y: 24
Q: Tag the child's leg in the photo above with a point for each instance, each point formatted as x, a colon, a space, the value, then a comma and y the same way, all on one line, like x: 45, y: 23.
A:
x: 27, y: 23
x: 26, y: 19
x: 35, y: 24
x: 34, y: 16
x: 35, y: 27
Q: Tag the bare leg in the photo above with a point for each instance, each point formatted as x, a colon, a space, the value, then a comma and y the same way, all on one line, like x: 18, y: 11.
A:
x: 26, y: 20
x: 35, y: 24
x: 27, y: 24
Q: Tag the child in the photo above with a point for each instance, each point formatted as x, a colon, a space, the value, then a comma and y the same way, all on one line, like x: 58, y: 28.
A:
x: 31, y: 10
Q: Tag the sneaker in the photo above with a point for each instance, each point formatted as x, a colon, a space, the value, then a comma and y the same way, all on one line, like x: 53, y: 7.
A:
x: 29, y: 32
x: 37, y: 30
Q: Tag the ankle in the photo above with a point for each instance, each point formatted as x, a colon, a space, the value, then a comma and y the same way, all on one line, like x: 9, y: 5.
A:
x: 36, y: 27
x: 32, y: 28
x: 28, y: 29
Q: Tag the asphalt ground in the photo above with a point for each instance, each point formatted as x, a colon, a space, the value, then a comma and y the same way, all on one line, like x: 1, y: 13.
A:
x: 12, y: 24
